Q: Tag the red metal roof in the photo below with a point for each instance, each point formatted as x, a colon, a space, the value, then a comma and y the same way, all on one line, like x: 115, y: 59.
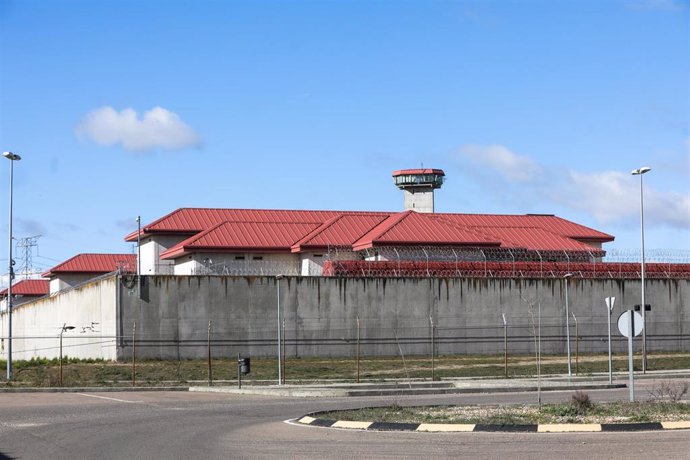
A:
x: 414, y: 228
x: 95, y: 263
x: 36, y: 288
x: 548, y: 222
x: 533, y: 238
x: 342, y: 230
x: 245, y: 236
x: 402, y: 172
x: 194, y: 220
x: 260, y: 229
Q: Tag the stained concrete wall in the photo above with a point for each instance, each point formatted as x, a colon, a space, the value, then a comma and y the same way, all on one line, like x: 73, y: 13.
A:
x: 173, y: 314
x: 90, y: 308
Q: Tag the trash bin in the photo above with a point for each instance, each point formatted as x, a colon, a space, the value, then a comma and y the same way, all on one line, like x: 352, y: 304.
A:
x: 245, y: 366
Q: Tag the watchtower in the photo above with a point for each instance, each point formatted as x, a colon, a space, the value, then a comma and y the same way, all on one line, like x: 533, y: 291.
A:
x: 418, y: 186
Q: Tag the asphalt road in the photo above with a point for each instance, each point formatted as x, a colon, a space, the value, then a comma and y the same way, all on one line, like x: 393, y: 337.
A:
x: 176, y: 425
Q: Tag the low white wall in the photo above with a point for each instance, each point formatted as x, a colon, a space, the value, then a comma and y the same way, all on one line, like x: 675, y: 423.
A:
x: 90, y: 308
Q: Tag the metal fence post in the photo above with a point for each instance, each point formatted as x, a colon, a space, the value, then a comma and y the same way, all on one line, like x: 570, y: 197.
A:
x: 63, y: 330
x: 505, y: 346
x: 577, y: 346
x: 134, y: 354
x: 283, y: 348
x: 210, y: 369
x: 357, y: 352
x: 433, y: 346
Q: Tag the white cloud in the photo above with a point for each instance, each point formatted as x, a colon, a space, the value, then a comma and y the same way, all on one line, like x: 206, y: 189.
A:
x: 157, y: 128
x: 507, y: 163
x: 613, y: 196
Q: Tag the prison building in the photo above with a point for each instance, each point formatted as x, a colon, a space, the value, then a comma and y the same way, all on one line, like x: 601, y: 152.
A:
x: 84, y: 267
x: 267, y: 242
x: 25, y: 291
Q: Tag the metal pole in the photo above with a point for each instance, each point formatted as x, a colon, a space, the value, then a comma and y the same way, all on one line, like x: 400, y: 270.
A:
x: 640, y: 172
x: 210, y: 370
x: 239, y: 373
x: 505, y: 346
x: 642, y: 307
x: 631, y: 379
x: 134, y: 354
x: 577, y: 347
x: 539, y: 356
x: 283, y: 351
x: 609, y: 310
x: 280, y: 335
x: 61, y: 332
x: 12, y: 157
x: 431, y: 321
x: 567, y: 323
x: 357, y: 358
x: 139, y: 256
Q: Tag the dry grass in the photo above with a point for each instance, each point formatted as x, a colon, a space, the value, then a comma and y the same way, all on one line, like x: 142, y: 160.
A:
x: 44, y: 373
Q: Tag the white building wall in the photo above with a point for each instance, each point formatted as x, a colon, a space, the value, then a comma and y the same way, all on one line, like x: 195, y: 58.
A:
x: 151, y: 249
x: 90, y: 308
x: 238, y: 264
x: 420, y: 200
x: 68, y: 280
x: 312, y: 262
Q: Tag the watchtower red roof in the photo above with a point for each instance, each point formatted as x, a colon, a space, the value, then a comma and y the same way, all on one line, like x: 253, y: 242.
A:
x: 404, y: 172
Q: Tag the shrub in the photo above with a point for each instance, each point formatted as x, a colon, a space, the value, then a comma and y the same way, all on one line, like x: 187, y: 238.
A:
x: 581, y: 402
x: 667, y: 389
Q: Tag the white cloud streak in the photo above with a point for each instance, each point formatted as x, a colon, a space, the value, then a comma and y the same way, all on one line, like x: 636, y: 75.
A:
x: 158, y: 128
x: 612, y: 197
x: 508, y: 164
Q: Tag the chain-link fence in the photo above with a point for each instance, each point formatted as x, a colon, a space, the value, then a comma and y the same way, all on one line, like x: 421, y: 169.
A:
x: 249, y: 267
x: 363, y: 348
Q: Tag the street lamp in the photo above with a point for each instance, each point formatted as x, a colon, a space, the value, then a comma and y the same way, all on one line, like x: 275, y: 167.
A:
x: 280, y: 334
x: 64, y: 328
x: 139, y: 256
x: 640, y: 172
x: 567, y: 277
x: 12, y: 157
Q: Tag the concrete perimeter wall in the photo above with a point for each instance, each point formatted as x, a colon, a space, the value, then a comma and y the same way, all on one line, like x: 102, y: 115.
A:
x: 90, y: 308
x: 172, y: 316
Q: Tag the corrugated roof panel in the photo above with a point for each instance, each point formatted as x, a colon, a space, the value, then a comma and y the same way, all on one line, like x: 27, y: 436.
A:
x: 192, y: 220
x: 533, y: 238
x: 94, y: 263
x: 552, y: 223
x: 244, y: 236
x: 29, y: 288
x: 342, y: 230
x: 413, y: 228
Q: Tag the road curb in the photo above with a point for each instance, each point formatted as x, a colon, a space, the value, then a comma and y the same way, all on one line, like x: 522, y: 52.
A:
x: 313, y: 420
x: 90, y: 389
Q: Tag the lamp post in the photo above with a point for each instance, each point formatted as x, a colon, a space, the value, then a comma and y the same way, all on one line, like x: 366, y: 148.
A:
x: 567, y: 277
x: 12, y: 157
x: 280, y: 334
x: 139, y: 256
x: 639, y: 172
x: 64, y: 328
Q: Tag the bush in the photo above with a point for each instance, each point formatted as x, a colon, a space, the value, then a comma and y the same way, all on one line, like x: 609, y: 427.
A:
x: 667, y: 389
x: 581, y: 402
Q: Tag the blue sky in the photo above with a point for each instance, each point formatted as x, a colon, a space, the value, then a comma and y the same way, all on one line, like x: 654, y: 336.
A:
x: 123, y: 108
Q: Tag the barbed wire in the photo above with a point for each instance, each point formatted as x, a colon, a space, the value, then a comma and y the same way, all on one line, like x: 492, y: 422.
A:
x: 424, y: 261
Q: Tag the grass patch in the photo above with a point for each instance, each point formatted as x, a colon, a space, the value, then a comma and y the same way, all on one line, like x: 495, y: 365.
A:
x: 647, y: 411
x: 45, y: 373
